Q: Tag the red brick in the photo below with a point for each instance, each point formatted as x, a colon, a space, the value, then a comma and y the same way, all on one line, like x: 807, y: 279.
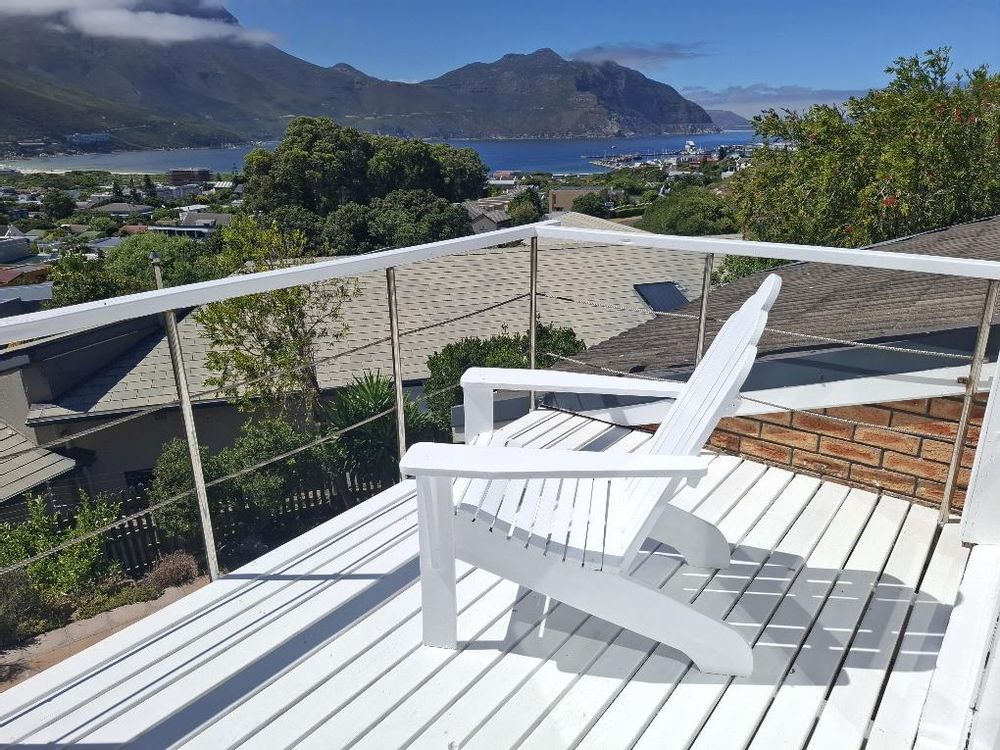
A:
x: 822, y: 425
x: 886, y: 439
x: 935, y: 450
x: 778, y: 454
x: 823, y: 465
x: 883, y: 479
x: 795, y: 438
x: 725, y: 441
x: 932, y: 491
x: 740, y: 425
x: 870, y: 414
x: 924, y: 425
x: 918, y: 467
x: 852, y: 452
x: 781, y: 417
x: 915, y: 405
x: 946, y: 408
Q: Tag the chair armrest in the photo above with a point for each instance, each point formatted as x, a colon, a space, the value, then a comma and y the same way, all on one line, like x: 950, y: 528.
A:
x: 445, y: 460
x: 555, y: 381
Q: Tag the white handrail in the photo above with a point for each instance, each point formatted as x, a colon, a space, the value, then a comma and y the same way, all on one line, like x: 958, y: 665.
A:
x: 945, y: 266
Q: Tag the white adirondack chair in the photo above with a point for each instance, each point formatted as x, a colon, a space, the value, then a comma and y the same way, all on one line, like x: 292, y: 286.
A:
x: 570, y: 524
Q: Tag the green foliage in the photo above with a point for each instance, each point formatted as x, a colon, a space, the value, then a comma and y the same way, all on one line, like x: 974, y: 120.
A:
x: 688, y: 211
x: 183, y: 261
x: 249, y: 499
x: 592, y: 204
x: 76, y: 279
x: 504, y: 350
x: 57, y: 205
x: 403, y: 217
x: 526, y: 207
x: 921, y: 153
x: 103, y: 224
x: 263, y: 346
x: 370, y: 451
x: 25, y: 611
x: 73, y: 569
x: 320, y: 165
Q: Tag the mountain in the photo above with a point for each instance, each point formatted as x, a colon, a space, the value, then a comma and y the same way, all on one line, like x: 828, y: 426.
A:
x: 727, y: 120
x: 55, y: 80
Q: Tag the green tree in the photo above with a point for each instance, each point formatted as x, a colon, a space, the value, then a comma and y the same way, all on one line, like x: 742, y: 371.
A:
x: 57, y: 205
x: 412, y: 217
x: 463, y: 173
x: 526, y: 207
x: 77, y: 279
x: 250, y: 499
x: 345, y: 231
x: 148, y: 188
x: 592, y: 204
x: 263, y: 346
x: 504, y: 350
x: 116, y: 190
x: 921, y: 153
x: 183, y: 260
x: 689, y: 211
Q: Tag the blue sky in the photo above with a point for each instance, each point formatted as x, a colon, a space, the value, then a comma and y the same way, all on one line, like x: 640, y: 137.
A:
x: 738, y: 56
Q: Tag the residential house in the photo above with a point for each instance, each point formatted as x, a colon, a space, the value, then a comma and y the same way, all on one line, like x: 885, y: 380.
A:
x: 124, y: 210
x: 188, y: 175
x: 14, y: 245
x: 486, y: 218
x: 24, y: 274
x: 193, y: 224
x: 561, y: 199
x: 23, y: 298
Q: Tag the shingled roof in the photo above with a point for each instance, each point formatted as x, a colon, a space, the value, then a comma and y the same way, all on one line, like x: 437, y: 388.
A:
x: 843, y: 302
x: 449, y: 289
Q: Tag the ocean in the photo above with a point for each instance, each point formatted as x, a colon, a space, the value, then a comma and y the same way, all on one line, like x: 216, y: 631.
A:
x: 557, y: 156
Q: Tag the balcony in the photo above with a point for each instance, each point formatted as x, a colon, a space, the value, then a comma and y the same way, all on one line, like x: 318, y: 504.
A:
x: 872, y: 616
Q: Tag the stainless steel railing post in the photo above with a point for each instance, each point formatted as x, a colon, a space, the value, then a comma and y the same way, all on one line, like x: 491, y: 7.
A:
x: 532, y: 315
x: 971, y: 385
x: 706, y: 283
x: 397, y: 368
x: 191, y: 434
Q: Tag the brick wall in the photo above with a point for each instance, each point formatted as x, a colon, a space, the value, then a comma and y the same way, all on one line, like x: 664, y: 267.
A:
x: 860, y: 455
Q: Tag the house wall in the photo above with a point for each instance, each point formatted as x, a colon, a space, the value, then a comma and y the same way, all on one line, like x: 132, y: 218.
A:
x: 861, y: 454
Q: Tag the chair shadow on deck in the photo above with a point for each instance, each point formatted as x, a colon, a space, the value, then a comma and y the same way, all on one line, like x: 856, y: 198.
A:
x: 861, y: 605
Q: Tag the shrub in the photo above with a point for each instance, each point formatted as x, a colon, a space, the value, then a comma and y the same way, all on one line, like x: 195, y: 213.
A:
x: 505, y: 350
x: 112, y: 592
x: 71, y: 570
x: 24, y: 611
x: 174, y: 569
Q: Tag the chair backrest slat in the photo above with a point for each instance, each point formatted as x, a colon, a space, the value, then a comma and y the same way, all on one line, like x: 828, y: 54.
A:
x: 712, y: 391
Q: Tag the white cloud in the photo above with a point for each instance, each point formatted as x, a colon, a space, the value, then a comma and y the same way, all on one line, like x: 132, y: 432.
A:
x: 121, y: 19
x: 750, y: 100
x: 641, y: 55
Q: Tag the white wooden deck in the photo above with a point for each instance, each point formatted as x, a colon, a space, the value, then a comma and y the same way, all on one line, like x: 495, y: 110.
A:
x: 845, y: 595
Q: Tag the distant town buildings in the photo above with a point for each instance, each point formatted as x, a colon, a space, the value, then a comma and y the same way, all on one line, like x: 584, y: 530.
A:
x: 124, y: 210
x: 188, y: 175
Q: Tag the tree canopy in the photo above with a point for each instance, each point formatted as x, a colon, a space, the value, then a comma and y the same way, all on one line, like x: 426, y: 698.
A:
x: 591, y: 204
x: 921, y: 153
x: 320, y: 166
x: 526, y: 207
x: 689, y: 211
x: 57, y: 205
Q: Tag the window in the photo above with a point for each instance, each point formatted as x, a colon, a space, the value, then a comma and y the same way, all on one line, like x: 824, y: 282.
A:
x: 661, y: 296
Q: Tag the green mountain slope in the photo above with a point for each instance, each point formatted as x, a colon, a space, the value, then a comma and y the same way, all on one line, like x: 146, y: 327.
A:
x: 59, y: 81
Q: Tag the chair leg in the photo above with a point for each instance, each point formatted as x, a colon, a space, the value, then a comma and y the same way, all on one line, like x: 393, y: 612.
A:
x: 436, y: 529
x: 700, y: 543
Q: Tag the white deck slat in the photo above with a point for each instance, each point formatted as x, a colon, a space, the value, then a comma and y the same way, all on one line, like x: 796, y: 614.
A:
x: 777, y: 637
x: 844, y: 721
x: 800, y: 698
x: 956, y: 681
x: 895, y: 724
x: 674, y: 722
x: 342, y: 664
